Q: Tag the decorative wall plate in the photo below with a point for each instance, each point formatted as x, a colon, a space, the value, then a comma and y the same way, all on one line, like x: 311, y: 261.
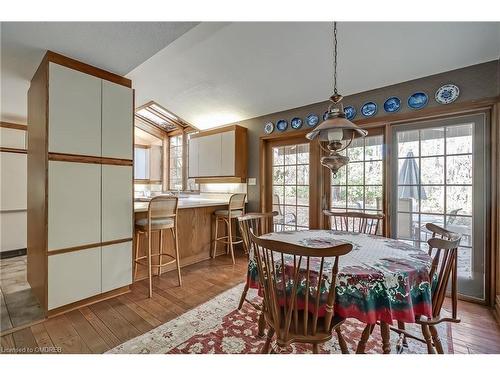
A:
x: 369, y: 109
x: 392, y: 104
x: 281, y: 125
x: 312, y: 120
x: 447, y: 94
x: 418, y: 100
x: 296, y: 123
x: 269, y: 128
x: 350, y: 112
x: 325, y: 116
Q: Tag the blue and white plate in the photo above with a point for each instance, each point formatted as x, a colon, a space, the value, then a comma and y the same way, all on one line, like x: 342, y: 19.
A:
x: 325, y: 116
x: 369, y: 109
x: 392, y: 104
x: 350, y: 112
x: 312, y: 120
x: 418, y: 100
x: 296, y: 123
x: 269, y: 128
x: 447, y: 94
x: 281, y: 125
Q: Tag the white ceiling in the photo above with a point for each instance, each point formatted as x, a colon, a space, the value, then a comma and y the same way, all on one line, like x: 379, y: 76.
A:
x: 115, y: 46
x: 219, y: 73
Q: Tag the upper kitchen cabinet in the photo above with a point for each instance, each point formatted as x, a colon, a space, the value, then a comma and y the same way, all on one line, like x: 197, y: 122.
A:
x: 75, y: 112
x: 88, y: 115
x: 219, y: 154
x: 117, y: 121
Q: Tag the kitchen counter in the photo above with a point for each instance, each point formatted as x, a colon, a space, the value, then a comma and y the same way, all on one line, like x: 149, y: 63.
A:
x: 195, y: 230
x: 185, y: 203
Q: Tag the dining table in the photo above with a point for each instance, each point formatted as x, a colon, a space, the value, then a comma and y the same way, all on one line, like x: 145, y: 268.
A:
x: 381, y: 280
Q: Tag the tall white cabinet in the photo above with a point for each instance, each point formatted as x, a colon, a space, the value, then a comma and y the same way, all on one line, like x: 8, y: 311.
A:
x: 80, y: 181
x: 13, y: 180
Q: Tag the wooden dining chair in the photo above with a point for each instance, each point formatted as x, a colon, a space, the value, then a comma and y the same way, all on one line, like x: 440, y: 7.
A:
x: 285, y: 271
x: 359, y: 222
x: 259, y: 224
x: 443, y: 248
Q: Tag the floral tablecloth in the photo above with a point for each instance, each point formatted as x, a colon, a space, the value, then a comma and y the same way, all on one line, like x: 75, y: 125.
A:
x: 381, y: 279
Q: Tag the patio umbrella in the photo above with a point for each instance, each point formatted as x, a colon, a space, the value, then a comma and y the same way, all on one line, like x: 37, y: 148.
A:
x: 409, y: 179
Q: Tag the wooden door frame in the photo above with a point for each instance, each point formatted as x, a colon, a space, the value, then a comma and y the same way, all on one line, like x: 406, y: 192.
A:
x: 265, y: 173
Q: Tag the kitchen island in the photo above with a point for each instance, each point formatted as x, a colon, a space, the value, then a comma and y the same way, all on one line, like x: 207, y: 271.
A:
x: 194, y: 228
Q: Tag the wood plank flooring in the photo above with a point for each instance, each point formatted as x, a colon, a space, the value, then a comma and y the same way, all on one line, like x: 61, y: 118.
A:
x: 104, y: 325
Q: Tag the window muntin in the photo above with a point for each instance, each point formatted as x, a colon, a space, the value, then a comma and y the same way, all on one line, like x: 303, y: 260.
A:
x: 359, y: 186
x: 290, y: 180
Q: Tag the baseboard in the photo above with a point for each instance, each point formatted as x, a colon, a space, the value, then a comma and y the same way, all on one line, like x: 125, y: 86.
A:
x: 88, y: 301
x: 12, y: 253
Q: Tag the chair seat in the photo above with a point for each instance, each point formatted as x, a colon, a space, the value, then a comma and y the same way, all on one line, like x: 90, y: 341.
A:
x: 156, y: 224
x: 225, y: 213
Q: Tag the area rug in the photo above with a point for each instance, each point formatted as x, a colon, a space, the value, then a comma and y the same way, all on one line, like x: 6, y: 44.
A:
x: 218, y: 327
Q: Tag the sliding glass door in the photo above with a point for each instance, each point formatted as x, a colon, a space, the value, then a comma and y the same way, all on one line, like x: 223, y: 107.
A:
x: 438, y: 176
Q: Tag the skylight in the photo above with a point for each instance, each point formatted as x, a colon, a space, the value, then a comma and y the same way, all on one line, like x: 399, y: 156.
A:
x: 154, y: 114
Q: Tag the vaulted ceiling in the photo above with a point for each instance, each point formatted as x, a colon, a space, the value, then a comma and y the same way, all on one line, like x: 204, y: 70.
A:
x: 219, y: 73
x: 213, y: 73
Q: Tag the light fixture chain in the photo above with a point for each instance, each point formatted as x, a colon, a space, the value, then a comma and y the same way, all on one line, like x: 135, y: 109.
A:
x: 335, y: 58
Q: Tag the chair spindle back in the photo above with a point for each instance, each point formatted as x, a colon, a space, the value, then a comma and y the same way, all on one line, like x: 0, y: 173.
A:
x: 355, y: 221
x: 257, y: 223
x: 443, y: 248
x: 287, y: 270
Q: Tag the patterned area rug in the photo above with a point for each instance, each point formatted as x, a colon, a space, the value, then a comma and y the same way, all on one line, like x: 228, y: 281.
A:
x: 218, y: 327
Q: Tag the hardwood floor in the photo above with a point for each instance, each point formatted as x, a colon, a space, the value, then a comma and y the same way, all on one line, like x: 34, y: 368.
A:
x: 104, y: 325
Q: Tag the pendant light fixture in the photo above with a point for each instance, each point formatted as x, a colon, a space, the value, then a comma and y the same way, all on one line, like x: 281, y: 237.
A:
x: 337, y: 130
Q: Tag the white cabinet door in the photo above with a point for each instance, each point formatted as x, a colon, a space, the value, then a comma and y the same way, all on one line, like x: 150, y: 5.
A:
x: 117, y: 121
x: 74, y: 112
x: 13, y: 138
x: 227, y: 153
x: 193, y: 166
x: 117, y: 206
x: 209, y: 149
x: 74, y: 204
x: 73, y: 276
x: 141, y: 163
x: 116, y: 266
x: 13, y: 234
x: 13, y: 177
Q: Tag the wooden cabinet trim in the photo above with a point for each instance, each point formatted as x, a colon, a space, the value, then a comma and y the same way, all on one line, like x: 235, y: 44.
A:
x: 217, y: 131
x: 14, y: 150
x: 68, y: 62
x: 53, y: 156
x: 86, y: 246
x: 11, y: 125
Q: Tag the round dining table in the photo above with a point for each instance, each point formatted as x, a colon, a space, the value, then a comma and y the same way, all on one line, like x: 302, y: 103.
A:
x: 381, y: 280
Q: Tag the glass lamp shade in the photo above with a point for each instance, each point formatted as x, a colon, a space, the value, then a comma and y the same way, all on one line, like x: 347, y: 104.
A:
x: 333, y: 123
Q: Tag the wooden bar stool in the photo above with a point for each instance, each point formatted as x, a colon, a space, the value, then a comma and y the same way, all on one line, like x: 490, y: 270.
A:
x: 236, y: 209
x: 162, y: 215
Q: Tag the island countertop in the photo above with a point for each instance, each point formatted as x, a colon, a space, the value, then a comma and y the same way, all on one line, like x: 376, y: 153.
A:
x: 186, y: 203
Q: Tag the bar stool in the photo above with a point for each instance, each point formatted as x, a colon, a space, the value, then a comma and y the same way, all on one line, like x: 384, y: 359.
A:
x: 162, y: 215
x: 236, y: 209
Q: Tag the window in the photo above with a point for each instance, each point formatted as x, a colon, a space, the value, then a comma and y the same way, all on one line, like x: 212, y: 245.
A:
x: 154, y: 114
x: 175, y: 176
x: 359, y: 185
x: 290, y: 179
